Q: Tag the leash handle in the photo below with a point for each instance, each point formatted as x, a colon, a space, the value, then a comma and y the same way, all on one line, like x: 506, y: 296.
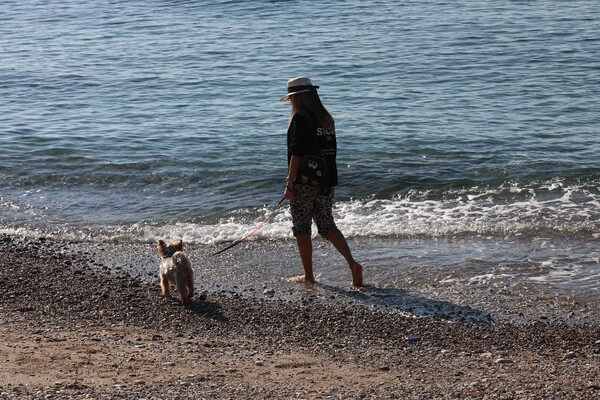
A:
x: 251, y: 233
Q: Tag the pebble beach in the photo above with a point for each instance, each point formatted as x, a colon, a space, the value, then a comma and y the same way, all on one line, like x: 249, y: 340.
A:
x: 72, y: 331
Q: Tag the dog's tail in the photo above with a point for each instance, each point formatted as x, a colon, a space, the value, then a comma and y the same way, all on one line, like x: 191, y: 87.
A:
x: 178, y: 259
x: 183, y: 276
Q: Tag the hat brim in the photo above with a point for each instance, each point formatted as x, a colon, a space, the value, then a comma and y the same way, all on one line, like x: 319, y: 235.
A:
x: 287, y: 96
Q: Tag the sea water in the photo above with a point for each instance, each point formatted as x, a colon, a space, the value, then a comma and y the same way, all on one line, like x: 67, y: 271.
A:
x: 468, y: 131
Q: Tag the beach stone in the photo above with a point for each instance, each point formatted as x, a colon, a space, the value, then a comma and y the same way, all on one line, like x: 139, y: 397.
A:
x: 259, y: 363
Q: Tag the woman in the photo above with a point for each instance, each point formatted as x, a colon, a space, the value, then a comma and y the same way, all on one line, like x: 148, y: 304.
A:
x: 312, y: 175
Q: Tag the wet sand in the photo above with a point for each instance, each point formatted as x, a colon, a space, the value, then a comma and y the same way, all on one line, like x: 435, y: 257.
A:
x: 76, y: 324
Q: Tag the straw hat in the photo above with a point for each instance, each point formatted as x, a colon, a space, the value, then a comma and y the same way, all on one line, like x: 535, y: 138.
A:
x: 298, y: 85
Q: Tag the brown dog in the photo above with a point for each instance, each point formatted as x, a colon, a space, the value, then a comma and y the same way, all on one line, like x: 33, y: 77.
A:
x: 175, y: 268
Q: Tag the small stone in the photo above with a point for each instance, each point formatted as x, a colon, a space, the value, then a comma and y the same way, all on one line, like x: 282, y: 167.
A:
x: 504, y: 361
x: 413, y: 338
x: 168, y: 364
x: 384, y: 368
x: 269, y: 291
x: 485, y: 355
x: 139, y: 382
x: 184, y: 383
x: 259, y: 363
x: 570, y: 354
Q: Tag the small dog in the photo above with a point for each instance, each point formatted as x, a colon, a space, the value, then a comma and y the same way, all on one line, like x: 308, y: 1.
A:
x: 175, y: 268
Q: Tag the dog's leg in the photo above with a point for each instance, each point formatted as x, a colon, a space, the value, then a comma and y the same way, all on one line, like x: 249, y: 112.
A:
x: 164, y: 285
x: 182, y: 288
x: 191, y: 284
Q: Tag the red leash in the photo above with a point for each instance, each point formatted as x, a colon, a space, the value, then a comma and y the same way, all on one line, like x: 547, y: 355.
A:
x: 253, y: 232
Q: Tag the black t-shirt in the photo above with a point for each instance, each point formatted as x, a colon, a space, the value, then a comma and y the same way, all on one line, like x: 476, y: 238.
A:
x: 304, y: 132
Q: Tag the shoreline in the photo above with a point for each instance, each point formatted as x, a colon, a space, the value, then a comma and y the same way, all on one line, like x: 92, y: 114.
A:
x: 71, y: 331
x: 399, y: 277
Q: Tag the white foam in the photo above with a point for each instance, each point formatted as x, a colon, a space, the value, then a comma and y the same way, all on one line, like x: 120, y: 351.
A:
x: 487, y: 212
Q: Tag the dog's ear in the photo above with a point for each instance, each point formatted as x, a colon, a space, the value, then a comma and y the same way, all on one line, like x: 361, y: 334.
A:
x: 161, y: 245
x: 178, y: 245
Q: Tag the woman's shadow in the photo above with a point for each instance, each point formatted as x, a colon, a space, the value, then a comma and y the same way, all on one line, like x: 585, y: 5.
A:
x: 402, y: 301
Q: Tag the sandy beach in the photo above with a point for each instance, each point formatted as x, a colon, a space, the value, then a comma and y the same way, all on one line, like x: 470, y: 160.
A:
x: 71, y: 331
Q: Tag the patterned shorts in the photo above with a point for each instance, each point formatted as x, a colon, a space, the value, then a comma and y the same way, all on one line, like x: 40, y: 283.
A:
x: 310, y: 203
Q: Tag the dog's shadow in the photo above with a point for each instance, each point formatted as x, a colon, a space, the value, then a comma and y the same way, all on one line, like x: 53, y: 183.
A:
x: 209, y: 309
x: 402, y: 301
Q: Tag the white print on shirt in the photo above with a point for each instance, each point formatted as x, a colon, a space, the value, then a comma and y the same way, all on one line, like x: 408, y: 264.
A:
x: 327, y: 132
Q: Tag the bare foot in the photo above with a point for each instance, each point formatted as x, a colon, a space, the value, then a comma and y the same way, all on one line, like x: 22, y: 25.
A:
x: 357, y: 274
x: 302, y: 279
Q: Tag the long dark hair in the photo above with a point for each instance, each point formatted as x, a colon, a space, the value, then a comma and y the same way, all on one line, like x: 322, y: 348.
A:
x: 311, y: 102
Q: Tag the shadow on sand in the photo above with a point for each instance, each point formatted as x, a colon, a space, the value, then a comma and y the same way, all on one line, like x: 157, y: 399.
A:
x: 392, y: 299
x: 402, y: 301
x: 202, y: 306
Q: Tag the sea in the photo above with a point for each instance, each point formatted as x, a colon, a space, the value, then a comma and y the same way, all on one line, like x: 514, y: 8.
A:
x: 468, y: 133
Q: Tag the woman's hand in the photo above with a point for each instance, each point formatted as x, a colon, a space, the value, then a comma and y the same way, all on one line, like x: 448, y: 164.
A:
x: 288, y: 191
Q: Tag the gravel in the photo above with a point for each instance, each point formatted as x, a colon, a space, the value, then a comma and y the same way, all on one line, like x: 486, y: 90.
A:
x: 49, y: 296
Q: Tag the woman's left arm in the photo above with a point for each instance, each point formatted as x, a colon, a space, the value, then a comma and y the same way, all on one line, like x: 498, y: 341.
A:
x: 291, y: 178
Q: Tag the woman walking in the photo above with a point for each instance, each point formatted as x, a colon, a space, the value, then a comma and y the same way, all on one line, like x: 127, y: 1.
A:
x: 312, y: 175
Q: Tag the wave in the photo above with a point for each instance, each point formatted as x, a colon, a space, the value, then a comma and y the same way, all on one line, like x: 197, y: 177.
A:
x: 551, y: 208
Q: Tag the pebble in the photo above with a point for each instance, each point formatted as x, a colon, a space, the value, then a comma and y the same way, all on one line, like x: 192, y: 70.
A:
x: 504, y: 361
x: 259, y: 363
x: 168, y: 364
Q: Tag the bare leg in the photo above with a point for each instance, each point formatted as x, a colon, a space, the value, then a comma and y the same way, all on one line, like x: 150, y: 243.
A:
x: 304, y: 243
x: 339, y: 242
